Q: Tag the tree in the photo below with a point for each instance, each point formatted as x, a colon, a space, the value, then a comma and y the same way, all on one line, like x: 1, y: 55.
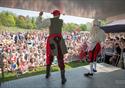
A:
x: 7, y: 19
x: 89, y: 26
x: 29, y: 24
x: 21, y: 22
x: 70, y: 27
x: 33, y: 22
x: 103, y: 22
x: 0, y: 23
x: 83, y: 27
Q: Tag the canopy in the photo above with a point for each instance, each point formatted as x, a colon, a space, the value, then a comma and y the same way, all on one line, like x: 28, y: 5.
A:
x: 114, y: 28
x: 84, y: 8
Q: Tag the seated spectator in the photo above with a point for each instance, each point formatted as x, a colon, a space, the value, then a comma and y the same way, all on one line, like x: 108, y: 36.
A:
x: 31, y: 64
x: 109, y: 50
x: 116, y: 55
x: 113, y: 59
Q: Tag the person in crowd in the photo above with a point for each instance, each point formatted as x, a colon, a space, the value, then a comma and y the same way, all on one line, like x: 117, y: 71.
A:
x: 116, y: 55
x: 123, y: 51
x: 109, y: 50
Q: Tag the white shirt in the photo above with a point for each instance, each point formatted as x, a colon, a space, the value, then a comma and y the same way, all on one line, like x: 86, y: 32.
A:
x: 43, y: 23
x: 96, y: 35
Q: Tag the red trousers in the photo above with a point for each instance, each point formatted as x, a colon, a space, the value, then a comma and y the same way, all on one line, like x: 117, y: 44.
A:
x: 50, y: 57
x: 94, y: 53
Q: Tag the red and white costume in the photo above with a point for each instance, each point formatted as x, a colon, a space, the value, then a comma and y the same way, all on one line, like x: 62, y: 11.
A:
x: 97, y: 36
x: 55, y: 43
x: 94, y: 43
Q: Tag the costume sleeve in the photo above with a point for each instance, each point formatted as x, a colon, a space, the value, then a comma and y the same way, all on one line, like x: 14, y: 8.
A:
x: 43, y: 24
x: 97, y: 35
x: 39, y: 20
x: 101, y: 35
x: 46, y: 23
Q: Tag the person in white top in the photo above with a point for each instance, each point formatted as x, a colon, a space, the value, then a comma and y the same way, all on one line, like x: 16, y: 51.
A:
x: 97, y: 36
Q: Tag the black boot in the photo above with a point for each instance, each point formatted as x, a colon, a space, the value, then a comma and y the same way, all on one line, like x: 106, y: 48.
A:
x: 47, y: 72
x: 88, y: 74
x: 63, y: 76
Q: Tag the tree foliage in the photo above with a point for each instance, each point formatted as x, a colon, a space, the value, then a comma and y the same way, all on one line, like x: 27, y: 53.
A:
x: 103, y: 22
x: 70, y: 27
x: 33, y: 22
x: 11, y: 20
x: 0, y: 23
x: 83, y: 27
x: 7, y: 19
x: 89, y: 26
x: 21, y: 22
x: 25, y: 22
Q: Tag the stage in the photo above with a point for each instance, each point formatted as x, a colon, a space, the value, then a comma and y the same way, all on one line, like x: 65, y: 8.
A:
x: 106, y: 77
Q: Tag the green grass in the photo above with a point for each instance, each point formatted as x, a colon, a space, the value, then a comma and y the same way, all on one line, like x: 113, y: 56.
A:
x: 75, y: 64
x: 41, y: 70
x: 14, y: 29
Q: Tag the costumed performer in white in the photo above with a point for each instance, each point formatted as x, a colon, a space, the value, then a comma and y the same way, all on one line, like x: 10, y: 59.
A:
x: 97, y: 36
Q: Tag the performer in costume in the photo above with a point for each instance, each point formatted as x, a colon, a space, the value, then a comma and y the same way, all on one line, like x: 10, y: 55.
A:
x: 97, y: 36
x: 55, y: 44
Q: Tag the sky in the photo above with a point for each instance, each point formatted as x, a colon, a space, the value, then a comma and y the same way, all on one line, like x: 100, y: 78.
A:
x: 66, y: 18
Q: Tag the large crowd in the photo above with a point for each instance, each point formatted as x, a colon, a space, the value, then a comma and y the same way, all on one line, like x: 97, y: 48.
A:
x: 27, y: 50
